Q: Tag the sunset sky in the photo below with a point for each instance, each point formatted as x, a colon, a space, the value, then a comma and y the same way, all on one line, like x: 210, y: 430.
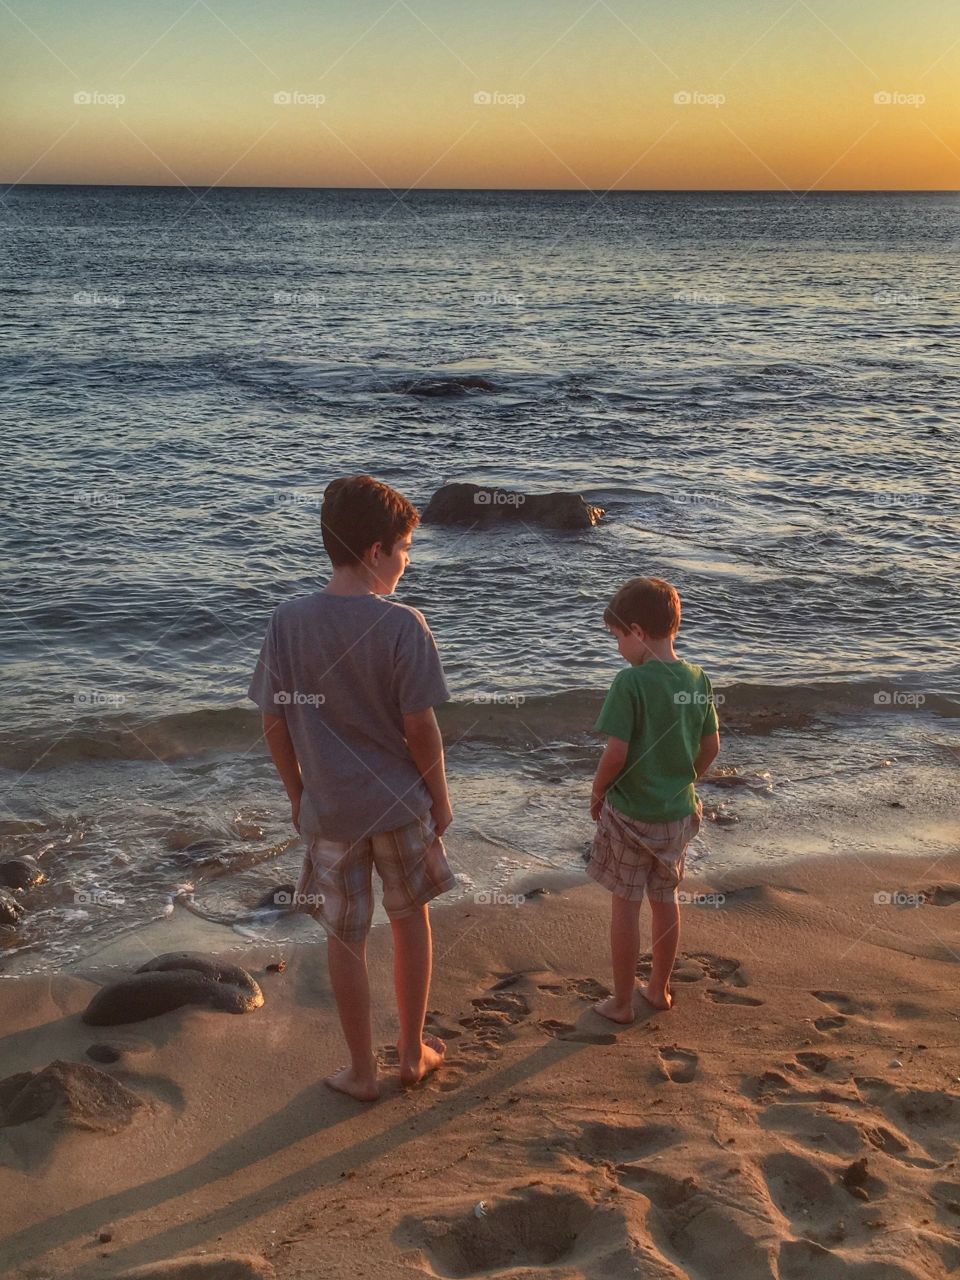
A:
x: 382, y: 93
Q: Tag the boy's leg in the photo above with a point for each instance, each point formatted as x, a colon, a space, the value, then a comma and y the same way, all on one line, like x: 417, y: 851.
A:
x: 625, y: 948
x: 665, y: 922
x: 412, y: 966
x: 351, y: 990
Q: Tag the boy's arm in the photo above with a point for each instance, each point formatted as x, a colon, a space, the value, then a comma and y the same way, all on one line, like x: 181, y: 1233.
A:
x: 285, y: 758
x: 709, y: 750
x: 611, y: 764
x: 425, y: 744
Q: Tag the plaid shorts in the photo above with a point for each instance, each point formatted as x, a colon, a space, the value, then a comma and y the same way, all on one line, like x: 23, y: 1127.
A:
x: 336, y: 885
x: 629, y: 856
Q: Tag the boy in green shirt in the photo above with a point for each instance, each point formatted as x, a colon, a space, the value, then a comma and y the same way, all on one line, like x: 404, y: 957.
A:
x: 663, y: 735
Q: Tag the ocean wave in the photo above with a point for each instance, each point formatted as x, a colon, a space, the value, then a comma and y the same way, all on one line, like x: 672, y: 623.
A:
x: 506, y: 719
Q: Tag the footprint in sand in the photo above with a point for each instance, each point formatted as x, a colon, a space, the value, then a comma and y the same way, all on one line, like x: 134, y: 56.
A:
x: 583, y: 988
x: 722, y: 996
x: 832, y: 1022
x: 679, y: 1065
x: 621, y: 1143
x: 568, y: 1031
x: 697, y: 966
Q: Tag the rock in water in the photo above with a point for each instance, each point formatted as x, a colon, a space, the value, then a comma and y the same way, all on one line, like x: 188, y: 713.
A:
x: 170, y: 981
x: 83, y: 1097
x: 10, y: 908
x: 21, y: 873
x: 473, y: 503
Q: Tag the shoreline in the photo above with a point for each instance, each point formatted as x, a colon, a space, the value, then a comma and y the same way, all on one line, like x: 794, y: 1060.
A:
x: 722, y: 1128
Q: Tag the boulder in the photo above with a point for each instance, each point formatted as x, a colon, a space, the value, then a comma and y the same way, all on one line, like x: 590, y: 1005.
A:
x: 81, y: 1096
x: 170, y: 981
x: 21, y: 873
x: 480, y: 504
x: 10, y: 908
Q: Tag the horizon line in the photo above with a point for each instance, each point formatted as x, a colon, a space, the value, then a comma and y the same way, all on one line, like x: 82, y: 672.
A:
x: 405, y: 191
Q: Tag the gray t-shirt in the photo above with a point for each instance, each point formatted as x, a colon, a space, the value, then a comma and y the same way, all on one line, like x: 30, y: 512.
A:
x: 344, y: 671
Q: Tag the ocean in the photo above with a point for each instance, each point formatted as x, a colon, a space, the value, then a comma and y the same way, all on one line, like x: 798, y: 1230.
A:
x: 761, y: 389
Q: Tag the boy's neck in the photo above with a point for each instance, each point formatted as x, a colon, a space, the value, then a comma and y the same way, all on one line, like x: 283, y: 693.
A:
x: 345, y: 581
x: 659, y: 651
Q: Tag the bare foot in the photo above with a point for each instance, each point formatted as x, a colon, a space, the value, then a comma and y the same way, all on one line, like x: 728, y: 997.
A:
x: 413, y: 1070
x: 363, y: 1088
x: 615, y: 1012
x: 664, y: 1003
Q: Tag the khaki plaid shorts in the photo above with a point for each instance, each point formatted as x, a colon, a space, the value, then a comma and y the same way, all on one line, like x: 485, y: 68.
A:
x: 629, y: 857
x: 336, y: 884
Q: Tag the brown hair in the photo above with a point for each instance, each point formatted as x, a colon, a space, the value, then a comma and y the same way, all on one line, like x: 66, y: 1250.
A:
x: 358, y: 511
x: 651, y: 603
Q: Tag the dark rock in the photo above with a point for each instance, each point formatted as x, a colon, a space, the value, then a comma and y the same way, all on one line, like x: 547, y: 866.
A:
x: 269, y: 899
x: 21, y: 873
x: 104, y: 1237
x: 170, y: 981
x: 10, y: 908
x: 444, y: 386
x: 82, y: 1097
x: 104, y: 1052
x: 472, y: 503
x: 277, y: 967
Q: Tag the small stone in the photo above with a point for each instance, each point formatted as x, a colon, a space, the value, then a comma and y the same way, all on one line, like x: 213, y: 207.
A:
x: 104, y: 1236
x: 277, y: 966
x: 895, y: 1062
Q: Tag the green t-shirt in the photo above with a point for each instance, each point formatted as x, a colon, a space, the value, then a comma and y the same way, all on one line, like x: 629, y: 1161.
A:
x: 662, y: 709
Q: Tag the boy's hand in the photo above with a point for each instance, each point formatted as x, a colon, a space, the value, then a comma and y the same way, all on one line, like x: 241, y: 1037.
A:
x: 596, y: 804
x: 442, y: 815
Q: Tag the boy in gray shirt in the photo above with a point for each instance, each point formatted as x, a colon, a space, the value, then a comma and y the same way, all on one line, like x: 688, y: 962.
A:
x: 347, y: 681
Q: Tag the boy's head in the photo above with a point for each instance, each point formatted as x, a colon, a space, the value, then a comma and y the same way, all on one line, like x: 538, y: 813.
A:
x: 644, y: 610
x: 368, y: 527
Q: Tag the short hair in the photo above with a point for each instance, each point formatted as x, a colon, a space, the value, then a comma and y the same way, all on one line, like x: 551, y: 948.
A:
x: 358, y: 511
x: 651, y: 603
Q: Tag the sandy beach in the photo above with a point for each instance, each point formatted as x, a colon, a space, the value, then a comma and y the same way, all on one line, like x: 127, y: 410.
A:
x: 795, y: 1116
